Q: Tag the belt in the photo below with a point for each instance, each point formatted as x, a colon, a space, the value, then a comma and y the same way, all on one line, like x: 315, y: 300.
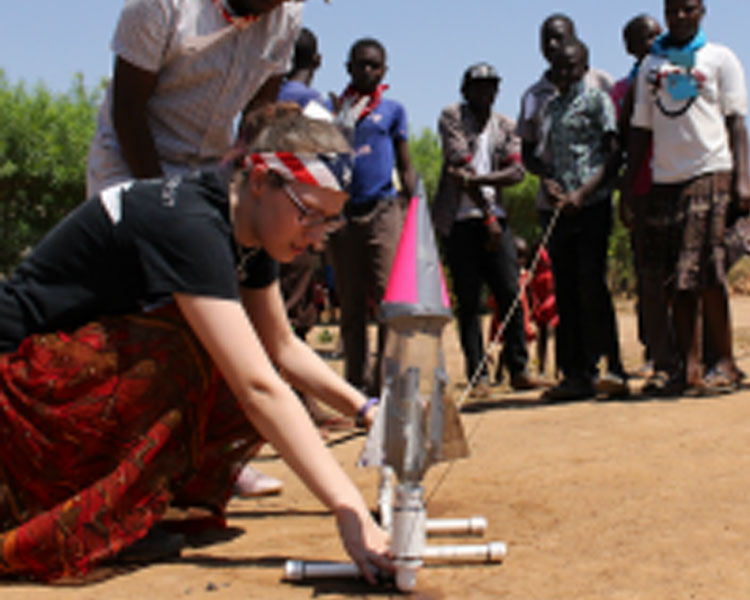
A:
x: 359, y: 209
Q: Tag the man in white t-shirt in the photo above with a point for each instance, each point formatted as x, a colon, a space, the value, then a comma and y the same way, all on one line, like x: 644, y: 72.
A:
x: 691, y: 100
x: 184, y: 70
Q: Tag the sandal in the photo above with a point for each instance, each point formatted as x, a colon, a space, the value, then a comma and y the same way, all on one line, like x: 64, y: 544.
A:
x: 718, y: 381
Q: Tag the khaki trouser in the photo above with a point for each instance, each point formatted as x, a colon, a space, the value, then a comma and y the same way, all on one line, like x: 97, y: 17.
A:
x: 362, y: 254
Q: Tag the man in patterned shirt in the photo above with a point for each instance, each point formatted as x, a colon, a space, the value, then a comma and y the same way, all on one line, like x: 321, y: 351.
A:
x: 553, y: 32
x: 581, y: 145
x: 184, y: 70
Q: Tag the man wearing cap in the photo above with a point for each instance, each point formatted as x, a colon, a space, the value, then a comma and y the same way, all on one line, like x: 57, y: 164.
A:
x: 183, y: 72
x: 481, y: 155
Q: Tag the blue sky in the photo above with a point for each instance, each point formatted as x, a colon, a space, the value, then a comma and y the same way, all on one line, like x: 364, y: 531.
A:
x: 430, y: 42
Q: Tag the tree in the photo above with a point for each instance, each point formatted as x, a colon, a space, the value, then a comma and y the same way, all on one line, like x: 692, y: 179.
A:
x: 519, y: 200
x: 427, y: 158
x: 520, y: 204
x: 44, y: 141
x: 620, y: 268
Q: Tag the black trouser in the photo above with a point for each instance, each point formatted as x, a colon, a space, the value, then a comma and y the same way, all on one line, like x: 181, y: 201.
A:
x: 587, y: 329
x: 472, y: 264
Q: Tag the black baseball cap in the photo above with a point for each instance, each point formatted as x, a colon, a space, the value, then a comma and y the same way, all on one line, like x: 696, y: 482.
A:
x: 480, y: 72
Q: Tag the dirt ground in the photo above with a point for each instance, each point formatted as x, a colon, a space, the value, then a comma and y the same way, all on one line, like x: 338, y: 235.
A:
x: 631, y: 500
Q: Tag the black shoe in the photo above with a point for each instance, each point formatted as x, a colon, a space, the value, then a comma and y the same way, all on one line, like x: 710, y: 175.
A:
x: 570, y: 389
x: 613, y: 385
x: 523, y: 380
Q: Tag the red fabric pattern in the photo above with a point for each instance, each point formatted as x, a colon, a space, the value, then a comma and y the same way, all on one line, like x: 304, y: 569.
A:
x: 495, y: 323
x: 542, y: 292
x: 103, y: 428
x: 373, y: 102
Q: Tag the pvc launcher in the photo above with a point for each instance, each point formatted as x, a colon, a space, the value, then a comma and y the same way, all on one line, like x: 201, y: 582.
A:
x: 416, y: 425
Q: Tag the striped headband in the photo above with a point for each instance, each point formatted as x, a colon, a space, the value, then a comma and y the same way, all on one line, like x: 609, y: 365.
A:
x: 328, y: 170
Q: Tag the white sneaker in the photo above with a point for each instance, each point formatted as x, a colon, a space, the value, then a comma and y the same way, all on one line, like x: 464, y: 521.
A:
x: 252, y: 483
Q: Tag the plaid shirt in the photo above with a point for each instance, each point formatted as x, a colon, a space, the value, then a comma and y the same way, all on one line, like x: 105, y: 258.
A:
x: 575, y: 126
x: 459, y: 133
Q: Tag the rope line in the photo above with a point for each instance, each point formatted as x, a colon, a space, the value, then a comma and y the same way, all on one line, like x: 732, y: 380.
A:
x: 494, y: 343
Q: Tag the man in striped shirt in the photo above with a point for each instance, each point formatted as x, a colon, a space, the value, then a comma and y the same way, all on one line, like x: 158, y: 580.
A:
x: 184, y: 70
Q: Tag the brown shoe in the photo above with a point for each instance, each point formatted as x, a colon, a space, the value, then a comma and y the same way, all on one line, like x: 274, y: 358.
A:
x: 524, y: 381
x: 481, y: 390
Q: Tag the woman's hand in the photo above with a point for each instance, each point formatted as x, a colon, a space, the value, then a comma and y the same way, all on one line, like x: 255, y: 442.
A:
x: 366, y: 543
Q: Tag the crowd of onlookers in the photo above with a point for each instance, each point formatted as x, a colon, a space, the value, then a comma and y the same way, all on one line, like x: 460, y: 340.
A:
x: 670, y: 136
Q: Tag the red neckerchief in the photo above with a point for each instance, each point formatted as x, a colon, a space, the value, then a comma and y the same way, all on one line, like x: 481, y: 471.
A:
x: 240, y: 22
x: 351, y: 94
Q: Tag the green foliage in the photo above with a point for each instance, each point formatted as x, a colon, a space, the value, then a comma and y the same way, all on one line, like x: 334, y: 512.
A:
x: 427, y: 158
x: 44, y: 141
x: 520, y: 204
x: 620, y: 269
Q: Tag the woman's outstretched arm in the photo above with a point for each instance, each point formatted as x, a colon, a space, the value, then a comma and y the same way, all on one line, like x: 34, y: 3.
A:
x: 270, y: 404
x: 300, y: 364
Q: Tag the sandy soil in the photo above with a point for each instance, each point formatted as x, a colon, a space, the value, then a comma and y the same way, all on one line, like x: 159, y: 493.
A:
x: 639, y: 499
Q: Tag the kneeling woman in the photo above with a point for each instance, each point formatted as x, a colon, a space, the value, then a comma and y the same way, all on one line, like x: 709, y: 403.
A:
x: 141, y: 344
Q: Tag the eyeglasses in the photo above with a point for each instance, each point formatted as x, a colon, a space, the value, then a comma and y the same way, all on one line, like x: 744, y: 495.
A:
x: 312, y: 219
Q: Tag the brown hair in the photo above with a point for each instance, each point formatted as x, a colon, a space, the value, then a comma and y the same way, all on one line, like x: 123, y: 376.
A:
x: 282, y: 127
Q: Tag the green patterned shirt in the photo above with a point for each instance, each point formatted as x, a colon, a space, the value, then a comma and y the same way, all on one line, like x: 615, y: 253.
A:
x: 576, y: 125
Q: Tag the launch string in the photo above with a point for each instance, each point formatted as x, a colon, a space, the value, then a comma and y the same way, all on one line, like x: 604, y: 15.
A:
x: 495, y: 342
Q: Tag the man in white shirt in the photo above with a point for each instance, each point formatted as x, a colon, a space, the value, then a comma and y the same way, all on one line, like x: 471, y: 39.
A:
x: 184, y: 70
x: 691, y: 100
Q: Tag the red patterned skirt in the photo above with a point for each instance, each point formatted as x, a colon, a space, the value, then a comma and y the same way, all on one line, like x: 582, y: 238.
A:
x: 100, y: 431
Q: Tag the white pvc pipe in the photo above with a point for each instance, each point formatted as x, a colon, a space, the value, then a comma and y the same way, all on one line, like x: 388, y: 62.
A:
x: 469, y: 526
x: 298, y: 570
x: 490, y: 552
x: 385, y: 498
x: 408, y: 534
